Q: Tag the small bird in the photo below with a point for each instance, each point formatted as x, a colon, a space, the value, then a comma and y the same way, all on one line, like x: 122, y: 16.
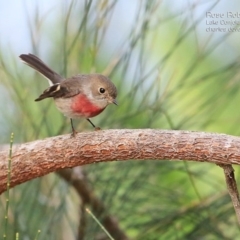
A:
x: 80, y: 96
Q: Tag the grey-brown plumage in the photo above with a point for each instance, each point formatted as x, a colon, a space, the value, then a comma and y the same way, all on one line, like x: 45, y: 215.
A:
x: 65, y: 88
x: 36, y: 63
x: 83, y: 95
x: 82, y: 84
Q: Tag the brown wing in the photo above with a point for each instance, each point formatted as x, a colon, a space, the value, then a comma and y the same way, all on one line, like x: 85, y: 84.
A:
x: 65, y: 89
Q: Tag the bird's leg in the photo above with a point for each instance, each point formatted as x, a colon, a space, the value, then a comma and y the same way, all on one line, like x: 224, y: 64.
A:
x: 96, y: 128
x: 73, y: 130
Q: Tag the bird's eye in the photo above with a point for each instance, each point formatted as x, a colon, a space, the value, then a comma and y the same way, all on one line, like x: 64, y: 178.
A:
x: 101, y: 90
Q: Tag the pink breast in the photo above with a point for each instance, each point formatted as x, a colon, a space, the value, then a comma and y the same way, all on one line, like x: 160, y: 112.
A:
x: 83, y: 106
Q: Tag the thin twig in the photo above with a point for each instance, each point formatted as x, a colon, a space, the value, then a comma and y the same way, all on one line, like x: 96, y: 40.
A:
x: 8, y: 186
x: 232, y: 187
x: 102, y: 227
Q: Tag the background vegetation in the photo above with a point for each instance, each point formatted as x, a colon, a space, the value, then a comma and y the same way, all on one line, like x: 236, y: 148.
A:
x: 170, y: 74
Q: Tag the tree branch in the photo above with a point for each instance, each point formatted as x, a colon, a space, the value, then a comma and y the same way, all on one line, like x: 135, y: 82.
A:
x: 38, y: 158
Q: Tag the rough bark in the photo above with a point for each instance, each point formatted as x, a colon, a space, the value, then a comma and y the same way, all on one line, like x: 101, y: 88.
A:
x: 38, y: 158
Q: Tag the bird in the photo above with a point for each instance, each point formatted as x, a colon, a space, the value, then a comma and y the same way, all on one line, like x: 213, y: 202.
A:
x: 79, y: 96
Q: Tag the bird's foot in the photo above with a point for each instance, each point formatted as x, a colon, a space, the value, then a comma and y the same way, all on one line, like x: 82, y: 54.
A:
x: 74, y: 133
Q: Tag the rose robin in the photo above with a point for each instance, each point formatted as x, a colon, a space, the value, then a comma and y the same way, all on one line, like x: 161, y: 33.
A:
x: 80, y: 96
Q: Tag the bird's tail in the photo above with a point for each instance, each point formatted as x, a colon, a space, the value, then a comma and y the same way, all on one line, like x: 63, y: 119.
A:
x: 36, y: 63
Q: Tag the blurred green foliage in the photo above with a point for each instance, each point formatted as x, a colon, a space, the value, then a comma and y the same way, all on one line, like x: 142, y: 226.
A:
x: 170, y: 75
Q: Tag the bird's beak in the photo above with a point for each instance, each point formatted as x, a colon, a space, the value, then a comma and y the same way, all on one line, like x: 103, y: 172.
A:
x: 114, y: 101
